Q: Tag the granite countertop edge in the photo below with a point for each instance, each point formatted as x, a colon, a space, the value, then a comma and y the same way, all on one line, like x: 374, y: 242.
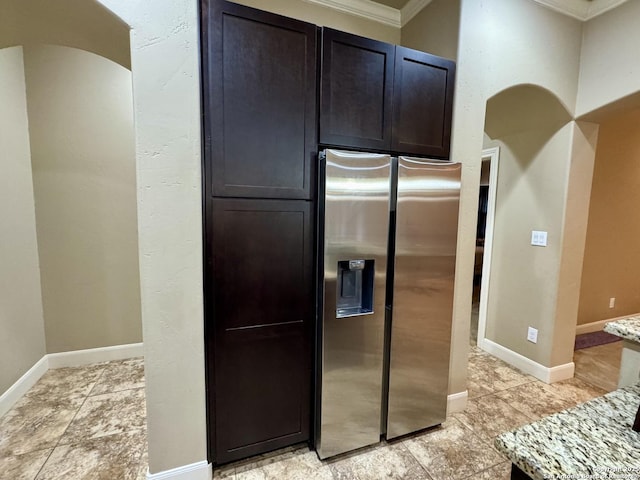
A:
x: 564, y: 443
x: 627, y: 328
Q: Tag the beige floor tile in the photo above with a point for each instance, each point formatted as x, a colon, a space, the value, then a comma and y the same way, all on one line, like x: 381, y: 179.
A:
x: 384, y: 461
x: 111, y: 457
x: 534, y: 400
x: 108, y: 414
x: 23, y: 467
x: 120, y: 375
x: 499, y: 472
x: 489, y: 416
x: 488, y: 375
x: 575, y: 390
x: 599, y: 366
x: 107, y: 436
x: 452, y: 452
x: 224, y: 472
x: 36, y: 423
x: 298, y: 467
x: 67, y: 382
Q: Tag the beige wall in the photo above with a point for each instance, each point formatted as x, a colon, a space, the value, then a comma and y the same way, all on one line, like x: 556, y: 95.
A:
x: 610, y: 64
x: 499, y: 48
x: 164, y: 56
x: 328, y: 17
x: 534, y: 136
x: 82, y: 151
x: 21, y: 322
x: 73, y: 23
x: 612, y: 256
x: 576, y: 213
x: 435, y: 29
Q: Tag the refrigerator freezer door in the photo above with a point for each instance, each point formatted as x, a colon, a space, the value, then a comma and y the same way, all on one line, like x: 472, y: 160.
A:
x: 425, y: 258
x: 356, y: 223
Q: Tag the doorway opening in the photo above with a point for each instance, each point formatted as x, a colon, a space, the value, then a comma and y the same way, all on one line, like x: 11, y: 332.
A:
x: 484, y: 244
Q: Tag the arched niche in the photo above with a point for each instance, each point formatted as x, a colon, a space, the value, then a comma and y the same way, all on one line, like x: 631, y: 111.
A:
x: 81, y: 24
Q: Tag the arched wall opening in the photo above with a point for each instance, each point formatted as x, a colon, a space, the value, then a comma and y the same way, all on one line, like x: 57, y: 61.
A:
x: 68, y: 184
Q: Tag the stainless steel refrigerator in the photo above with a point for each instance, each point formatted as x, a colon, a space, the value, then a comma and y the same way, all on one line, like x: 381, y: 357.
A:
x: 387, y: 252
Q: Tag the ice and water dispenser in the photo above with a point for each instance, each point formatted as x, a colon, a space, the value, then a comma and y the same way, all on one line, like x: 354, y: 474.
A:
x: 355, y: 288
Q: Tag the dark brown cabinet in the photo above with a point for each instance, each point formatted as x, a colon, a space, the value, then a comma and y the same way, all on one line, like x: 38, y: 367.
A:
x: 356, y: 91
x: 422, y: 103
x: 260, y: 97
x: 376, y: 96
x: 259, y: 74
x: 261, y: 300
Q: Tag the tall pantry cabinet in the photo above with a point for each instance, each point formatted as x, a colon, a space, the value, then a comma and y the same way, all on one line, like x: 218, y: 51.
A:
x: 260, y: 140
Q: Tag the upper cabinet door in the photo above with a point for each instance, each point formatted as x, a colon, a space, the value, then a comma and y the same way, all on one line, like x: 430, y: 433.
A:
x: 356, y: 91
x: 260, y: 96
x: 422, y: 103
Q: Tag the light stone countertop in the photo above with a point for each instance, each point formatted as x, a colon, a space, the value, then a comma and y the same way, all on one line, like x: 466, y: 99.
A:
x: 588, y: 441
x: 628, y: 328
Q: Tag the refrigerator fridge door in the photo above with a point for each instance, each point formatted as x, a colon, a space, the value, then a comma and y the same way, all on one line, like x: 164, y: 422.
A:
x: 425, y: 258
x: 355, y: 198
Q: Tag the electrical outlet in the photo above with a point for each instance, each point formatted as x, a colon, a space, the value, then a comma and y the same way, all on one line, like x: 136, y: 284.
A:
x: 532, y: 335
x: 612, y: 302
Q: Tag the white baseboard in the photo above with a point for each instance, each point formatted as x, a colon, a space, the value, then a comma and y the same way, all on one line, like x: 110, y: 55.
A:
x: 457, y: 402
x: 75, y: 358
x: 78, y: 358
x: 560, y: 372
x: 22, y: 385
x: 599, y: 325
x: 546, y: 374
x: 195, y: 471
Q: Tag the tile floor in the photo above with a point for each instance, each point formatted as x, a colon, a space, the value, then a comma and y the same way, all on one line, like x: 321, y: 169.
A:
x: 500, y: 398
x: 78, y: 423
x: 88, y: 423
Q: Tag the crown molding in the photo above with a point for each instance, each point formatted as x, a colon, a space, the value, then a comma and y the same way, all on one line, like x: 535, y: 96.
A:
x: 366, y: 9
x: 411, y: 9
x: 578, y: 9
x: 581, y: 9
x: 599, y: 7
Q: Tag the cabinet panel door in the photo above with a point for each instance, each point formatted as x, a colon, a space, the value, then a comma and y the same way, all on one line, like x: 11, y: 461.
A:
x: 259, y: 319
x: 356, y: 91
x: 260, y: 103
x: 422, y: 103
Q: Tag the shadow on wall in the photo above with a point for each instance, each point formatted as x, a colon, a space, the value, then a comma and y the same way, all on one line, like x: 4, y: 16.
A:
x: 525, y: 109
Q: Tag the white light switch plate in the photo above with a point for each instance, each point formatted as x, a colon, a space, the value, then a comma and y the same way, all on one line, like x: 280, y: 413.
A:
x: 538, y: 238
x: 532, y: 335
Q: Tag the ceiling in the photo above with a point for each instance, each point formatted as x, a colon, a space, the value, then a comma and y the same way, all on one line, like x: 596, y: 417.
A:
x: 398, y: 12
